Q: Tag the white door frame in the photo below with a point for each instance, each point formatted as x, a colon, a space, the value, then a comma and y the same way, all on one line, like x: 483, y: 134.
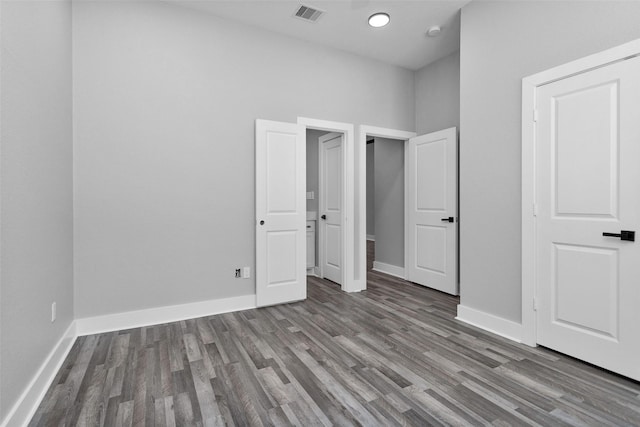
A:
x: 374, y: 131
x: 348, y: 208
x: 530, y: 85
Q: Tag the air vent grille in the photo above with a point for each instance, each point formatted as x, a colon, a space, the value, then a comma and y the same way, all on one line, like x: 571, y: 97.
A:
x: 308, y: 13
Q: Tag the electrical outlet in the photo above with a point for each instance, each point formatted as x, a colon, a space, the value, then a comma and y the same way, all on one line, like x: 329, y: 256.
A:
x: 238, y: 274
x: 246, y: 272
x: 53, y: 312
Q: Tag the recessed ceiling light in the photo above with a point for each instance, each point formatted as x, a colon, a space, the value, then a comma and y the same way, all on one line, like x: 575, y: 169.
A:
x: 434, y: 31
x: 379, y: 19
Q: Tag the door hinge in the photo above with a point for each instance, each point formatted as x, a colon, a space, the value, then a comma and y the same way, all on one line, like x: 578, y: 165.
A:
x: 535, y: 114
x: 535, y: 209
x: 535, y: 304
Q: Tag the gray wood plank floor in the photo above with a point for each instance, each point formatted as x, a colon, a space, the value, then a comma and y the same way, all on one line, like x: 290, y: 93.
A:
x: 393, y: 355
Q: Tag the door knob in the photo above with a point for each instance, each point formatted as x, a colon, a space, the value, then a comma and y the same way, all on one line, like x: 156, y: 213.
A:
x: 627, y: 235
x: 323, y: 217
x: 261, y: 222
x: 449, y: 219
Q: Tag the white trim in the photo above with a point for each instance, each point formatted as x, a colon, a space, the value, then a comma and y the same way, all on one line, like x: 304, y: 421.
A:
x: 529, y: 332
x: 371, y: 237
x: 160, y: 315
x: 363, y: 132
x: 494, y: 324
x: 407, y: 229
x: 348, y: 280
x: 392, y: 270
x: 28, y: 402
x: 529, y: 88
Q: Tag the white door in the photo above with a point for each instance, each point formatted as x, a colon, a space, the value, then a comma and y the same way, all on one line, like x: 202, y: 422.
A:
x: 588, y: 183
x: 432, y: 205
x: 330, y: 206
x: 280, y: 213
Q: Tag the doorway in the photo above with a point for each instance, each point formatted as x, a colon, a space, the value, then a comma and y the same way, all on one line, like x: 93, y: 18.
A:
x: 332, y: 186
x: 325, y: 231
x: 281, y: 211
x: 430, y: 207
x: 386, y: 205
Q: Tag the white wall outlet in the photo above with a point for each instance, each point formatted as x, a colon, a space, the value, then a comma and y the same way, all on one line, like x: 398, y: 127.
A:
x: 53, y: 312
x: 246, y: 272
x: 310, y: 195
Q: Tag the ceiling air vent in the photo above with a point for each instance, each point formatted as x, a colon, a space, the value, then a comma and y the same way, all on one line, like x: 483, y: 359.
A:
x: 308, y: 13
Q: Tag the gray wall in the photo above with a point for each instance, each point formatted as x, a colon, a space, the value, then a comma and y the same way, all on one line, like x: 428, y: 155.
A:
x: 36, y: 195
x: 165, y: 100
x: 371, y: 226
x: 502, y: 42
x: 312, y: 167
x: 438, y: 95
x: 389, y: 201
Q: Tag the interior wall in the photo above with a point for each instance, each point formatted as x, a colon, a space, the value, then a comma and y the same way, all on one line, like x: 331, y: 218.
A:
x: 371, y: 226
x: 502, y: 42
x: 165, y: 101
x: 36, y: 194
x: 389, y: 201
x: 438, y: 95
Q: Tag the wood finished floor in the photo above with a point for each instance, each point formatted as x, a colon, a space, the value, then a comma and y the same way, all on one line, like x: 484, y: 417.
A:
x: 393, y: 355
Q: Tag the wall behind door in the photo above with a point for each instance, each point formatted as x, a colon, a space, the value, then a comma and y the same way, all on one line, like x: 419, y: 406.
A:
x: 165, y: 100
x: 389, y: 201
x: 371, y: 226
x: 438, y: 95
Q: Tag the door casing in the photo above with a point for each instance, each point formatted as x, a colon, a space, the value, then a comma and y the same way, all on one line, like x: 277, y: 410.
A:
x: 363, y: 132
x: 349, y: 283
x: 530, y: 85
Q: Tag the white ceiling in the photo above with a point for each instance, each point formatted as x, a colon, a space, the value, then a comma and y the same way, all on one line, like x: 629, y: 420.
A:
x: 344, y: 25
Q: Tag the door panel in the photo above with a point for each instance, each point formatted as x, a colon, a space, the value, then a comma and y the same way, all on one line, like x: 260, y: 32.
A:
x: 431, y: 248
x: 431, y: 258
x: 281, y: 206
x: 431, y: 168
x: 588, y: 183
x: 281, y: 246
x: 585, y: 121
x: 591, y: 273
x: 330, y: 206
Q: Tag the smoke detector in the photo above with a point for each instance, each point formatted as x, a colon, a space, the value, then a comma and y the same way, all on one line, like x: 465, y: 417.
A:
x: 434, y: 31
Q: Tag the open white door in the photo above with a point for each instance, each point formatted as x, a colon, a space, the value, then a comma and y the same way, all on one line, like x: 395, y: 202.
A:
x: 588, y: 192
x: 331, y: 231
x: 432, y: 223
x: 280, y: 213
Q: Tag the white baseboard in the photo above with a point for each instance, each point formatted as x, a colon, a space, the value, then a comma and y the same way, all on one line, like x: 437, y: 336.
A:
x: 313, y: 271
x: 26, y: 406
x: 371, y: 237
x: 392, y: 270
x: 159, y: 315
x: 494, y: 324
x: 28, y: 402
